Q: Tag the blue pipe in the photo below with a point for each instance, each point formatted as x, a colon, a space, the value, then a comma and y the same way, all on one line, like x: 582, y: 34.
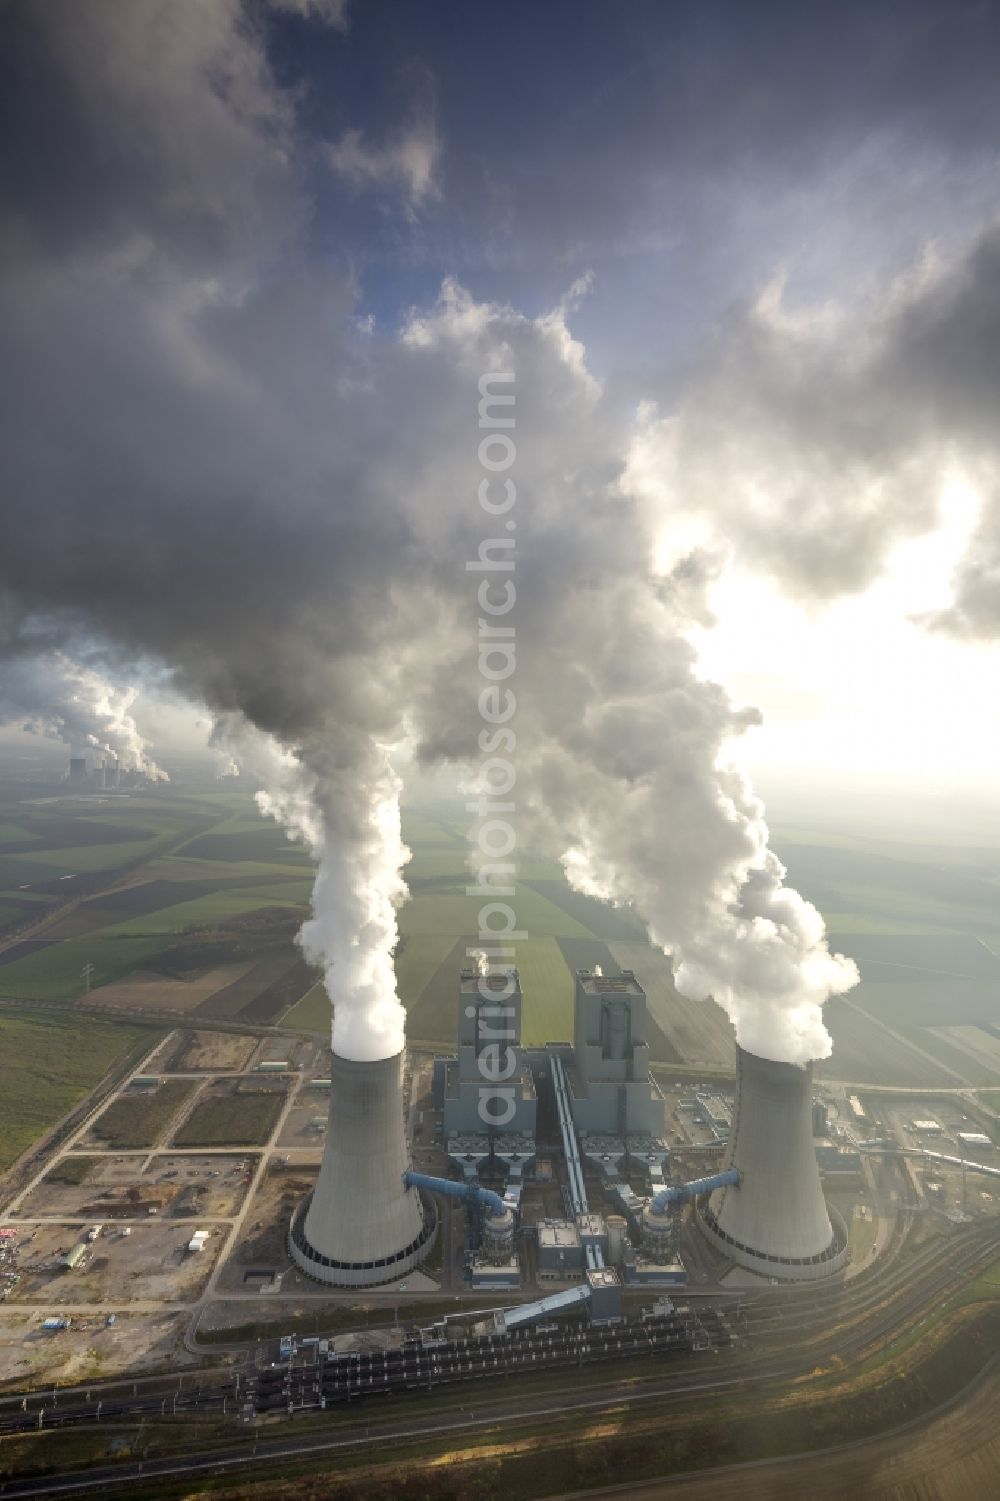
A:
x: 469, y: 1191
x: 683, y: 1191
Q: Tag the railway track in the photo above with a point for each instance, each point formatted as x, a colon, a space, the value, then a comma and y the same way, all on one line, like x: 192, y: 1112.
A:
x: 747, y: 1336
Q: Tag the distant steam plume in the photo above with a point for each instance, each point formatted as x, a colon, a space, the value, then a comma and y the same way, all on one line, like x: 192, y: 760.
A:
x: 54, y: 696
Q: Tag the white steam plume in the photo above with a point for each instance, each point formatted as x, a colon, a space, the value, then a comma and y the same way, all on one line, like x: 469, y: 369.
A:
x: 340, y: 797
x: 54, y: 696
x: 624, y: 753
x: 293, y: 498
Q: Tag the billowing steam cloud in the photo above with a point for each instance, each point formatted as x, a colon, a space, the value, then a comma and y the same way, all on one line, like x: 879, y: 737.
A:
x: 278, y: 505
x: 54, y: 696
x: 813, y: 441
x: 346, y: 810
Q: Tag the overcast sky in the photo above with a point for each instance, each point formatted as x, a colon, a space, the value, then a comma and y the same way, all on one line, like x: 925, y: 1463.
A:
x: 770, y: 231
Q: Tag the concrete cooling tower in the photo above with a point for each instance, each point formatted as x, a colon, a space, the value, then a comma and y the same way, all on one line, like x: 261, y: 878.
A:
x: 362, y: 1225
x: 776, y: 1222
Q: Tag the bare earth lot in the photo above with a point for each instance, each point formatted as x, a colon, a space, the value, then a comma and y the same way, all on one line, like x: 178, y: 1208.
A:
x: 152, y: 1265
x: 119, y: 1188
x: 212, y: 1052
x: 90, y: 1349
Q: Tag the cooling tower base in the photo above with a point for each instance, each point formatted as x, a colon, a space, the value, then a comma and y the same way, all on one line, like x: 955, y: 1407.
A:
x: 766, y: 1264
x: 360, y: 1273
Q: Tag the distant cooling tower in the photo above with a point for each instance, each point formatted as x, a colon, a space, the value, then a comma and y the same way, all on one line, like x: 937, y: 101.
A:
x: 776, y: 1221
x: 361, y: 1225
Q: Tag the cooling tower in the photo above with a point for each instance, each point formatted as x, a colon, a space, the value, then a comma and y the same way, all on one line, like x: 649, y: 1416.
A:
x: 361, y: 1225
x: 776, y: 1221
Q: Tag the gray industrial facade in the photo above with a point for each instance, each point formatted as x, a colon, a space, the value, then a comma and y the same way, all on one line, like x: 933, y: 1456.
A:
x: 488, y: 1089
x: 611, y: 1091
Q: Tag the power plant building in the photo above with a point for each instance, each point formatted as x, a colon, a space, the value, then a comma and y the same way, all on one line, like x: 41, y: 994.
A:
x: 775, y: 1221
x: 362, y: 1224
x: 610, y: 1087
x: 488, y: 1090
x: 560, y: 1250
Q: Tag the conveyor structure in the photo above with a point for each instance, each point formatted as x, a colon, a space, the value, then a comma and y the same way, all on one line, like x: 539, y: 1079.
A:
x: 968, y: 1164
x: 472, y: 1193
x: 681, y: 1192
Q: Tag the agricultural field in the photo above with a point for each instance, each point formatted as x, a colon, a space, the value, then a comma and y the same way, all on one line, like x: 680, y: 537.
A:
x: 146, y: 991
x: 189, y: 905
x: 865, y: 1053
x: 153, y: 928
x: 63, y: 846
x: 548, y: 987
x: 49, y: 1063
x: 920, y: 919
x: 137, y: 1119
x: 55, y: 971
x: 312, y: 1013
x: 229, y: 1117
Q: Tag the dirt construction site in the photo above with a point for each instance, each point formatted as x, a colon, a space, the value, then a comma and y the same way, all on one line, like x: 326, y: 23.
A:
x: 114, y: 1247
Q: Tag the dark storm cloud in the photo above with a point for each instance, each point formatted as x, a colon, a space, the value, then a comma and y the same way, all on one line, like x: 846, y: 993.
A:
x: 102, y: 104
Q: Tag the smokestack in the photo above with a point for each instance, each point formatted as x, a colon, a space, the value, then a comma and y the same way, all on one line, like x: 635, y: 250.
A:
x: 776, y: 1222
x: 361, y: 1225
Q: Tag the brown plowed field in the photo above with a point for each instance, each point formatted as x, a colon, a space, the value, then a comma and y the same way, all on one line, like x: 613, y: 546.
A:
x: 258, y: 994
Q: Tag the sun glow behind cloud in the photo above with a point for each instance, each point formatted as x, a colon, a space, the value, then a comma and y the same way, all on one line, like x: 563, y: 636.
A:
x: 862, y: 690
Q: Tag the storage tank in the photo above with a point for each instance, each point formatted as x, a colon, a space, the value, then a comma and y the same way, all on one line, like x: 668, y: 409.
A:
x: 498, y: 1236
x: 362, y: 1225
x: 776, y: 1221
x: 660, y: 1233
x: 616, y: 1239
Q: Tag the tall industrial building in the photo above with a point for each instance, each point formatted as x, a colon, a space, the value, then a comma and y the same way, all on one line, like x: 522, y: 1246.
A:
x: 77, y: 769
x: 488, y: 1089
x: 775, y: 1221
x: 362, y: 1224
x: 610, y: 1087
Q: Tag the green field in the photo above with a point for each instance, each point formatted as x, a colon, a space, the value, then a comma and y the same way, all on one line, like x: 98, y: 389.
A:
x: 416, y: 961
x: 455, y: 914
x: 547, y: 982
x: 49, y: 1063
x: 312, y: 1013
x: 205, y: 911
x: 56, y: 973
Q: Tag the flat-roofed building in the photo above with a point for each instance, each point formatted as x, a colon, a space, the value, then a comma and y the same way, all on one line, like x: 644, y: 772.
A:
x: 560, y: 1250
